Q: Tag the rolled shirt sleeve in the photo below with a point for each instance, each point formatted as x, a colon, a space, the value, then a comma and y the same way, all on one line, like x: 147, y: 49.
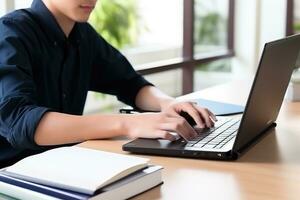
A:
x: 19, y: 111
x: 113, y: 74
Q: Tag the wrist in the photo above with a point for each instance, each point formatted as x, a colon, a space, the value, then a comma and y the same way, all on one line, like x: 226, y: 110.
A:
x: 166, y: 102
x: 125, y: 124
x: 107, y: 126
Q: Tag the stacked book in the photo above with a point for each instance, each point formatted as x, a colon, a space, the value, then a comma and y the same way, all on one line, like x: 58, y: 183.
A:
x: 79, y: 173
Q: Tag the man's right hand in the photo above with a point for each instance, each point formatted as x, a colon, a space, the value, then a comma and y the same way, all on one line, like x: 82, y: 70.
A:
x: 158, y: 125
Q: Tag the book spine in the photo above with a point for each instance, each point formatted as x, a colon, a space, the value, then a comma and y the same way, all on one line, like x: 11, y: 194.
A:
x: 22, y: 193
x: 132, y: 188
x: 20, y: 189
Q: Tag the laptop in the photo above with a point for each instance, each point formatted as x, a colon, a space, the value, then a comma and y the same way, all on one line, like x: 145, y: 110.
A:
x: 232, y: 136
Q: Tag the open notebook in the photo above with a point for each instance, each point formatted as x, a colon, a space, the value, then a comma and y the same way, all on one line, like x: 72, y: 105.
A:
x: 75, y: 168
x: 220, y: 108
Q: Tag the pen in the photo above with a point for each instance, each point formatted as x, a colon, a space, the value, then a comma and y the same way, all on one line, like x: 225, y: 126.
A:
x: 133, y: 111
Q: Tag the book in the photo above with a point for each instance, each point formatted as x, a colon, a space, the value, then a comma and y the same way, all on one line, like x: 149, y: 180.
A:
x: 75, y: 169
x: 127, y: 187
x: 218, y: 108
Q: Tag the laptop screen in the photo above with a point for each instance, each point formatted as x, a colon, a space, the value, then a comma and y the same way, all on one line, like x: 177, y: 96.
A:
x: 267, y: 93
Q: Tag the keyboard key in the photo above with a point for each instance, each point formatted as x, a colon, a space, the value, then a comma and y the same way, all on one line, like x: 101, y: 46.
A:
x: 198, y: 145
x: 210, y: 146
x: 216, y: 137
x: 189, y: 145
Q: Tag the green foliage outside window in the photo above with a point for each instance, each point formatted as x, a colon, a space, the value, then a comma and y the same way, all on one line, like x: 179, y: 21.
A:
x: 209, y: 25
x: 210, y: 30
x: 297, y: 27
x: 116, y: 21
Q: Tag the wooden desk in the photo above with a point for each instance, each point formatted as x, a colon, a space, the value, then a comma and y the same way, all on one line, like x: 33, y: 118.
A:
x: 270, y: 170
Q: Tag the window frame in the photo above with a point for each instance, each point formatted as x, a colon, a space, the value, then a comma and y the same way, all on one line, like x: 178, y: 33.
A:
x: 189, y: 61
x: 290, y: 17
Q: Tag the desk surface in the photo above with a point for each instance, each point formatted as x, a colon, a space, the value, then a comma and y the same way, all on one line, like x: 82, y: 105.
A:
x: 269, y: 170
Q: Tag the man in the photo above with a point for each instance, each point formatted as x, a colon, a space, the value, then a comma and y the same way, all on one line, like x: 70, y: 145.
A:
x: 50, y: 57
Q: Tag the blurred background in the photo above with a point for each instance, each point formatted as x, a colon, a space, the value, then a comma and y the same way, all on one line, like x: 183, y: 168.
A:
x: 187, y: 45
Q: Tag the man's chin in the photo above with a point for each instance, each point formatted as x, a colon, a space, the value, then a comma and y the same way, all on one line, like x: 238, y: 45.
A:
x: 82, y: 19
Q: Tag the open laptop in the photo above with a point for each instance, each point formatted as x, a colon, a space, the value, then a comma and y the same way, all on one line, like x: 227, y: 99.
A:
x: 231, y: 136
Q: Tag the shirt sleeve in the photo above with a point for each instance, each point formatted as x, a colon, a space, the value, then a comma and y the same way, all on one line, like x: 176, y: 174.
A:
x: 113, y: 74
x: 19, y: 112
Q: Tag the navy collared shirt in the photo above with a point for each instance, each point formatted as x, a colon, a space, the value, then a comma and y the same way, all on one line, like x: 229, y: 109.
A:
x: 41, y: 70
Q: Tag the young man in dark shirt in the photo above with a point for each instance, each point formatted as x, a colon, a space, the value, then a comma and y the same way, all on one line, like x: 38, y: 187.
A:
x: 50, y: 57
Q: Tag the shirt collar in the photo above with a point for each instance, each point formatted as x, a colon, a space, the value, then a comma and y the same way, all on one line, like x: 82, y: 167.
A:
x: 50, y: 25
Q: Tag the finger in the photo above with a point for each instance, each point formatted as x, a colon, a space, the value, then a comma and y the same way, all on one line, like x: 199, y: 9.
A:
x: 164, y: 135
x: 180, y: 126
x: 175, y: 119
x: 213, y: 116
x: 194, y: 113
x: 185, y: 127
x: 171, y: 113
x: 205, y: 113
x: 170, y: 127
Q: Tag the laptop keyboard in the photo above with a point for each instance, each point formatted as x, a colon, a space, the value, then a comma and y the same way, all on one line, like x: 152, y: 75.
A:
x: 225, y: 130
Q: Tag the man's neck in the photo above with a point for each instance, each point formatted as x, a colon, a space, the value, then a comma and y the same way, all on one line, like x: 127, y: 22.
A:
x: 65, y: 23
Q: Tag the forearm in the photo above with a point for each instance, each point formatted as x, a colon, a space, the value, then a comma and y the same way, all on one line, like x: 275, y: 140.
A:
x: 57, y: 128
x: 151, y: 98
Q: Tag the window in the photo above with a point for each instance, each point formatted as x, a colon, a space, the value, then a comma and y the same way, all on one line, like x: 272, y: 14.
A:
x: 2, y: 8
x: 210, y: 32
x: 22, y: 4
x: 199, y: 48
x: 151, y: 32
x: 168, y: 29
x: 160, y: 34
x: 293, y: 27
x: 293, y: 17
x: 213, y: 73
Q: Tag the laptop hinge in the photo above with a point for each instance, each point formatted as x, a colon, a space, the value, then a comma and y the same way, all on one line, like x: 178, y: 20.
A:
x: 255, y: 140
